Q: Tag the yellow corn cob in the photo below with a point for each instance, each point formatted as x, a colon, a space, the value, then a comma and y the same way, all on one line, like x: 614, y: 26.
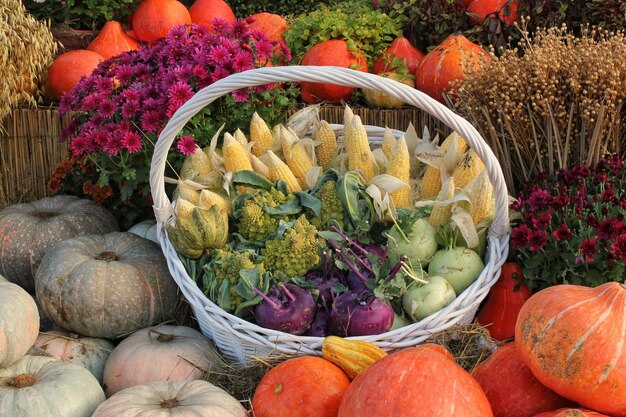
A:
x: 360, y: 156
x: 481, y: 197
x: 348, y: 114
x: 400, y: 167
x: 187, y: 193
x: 278, y: 170
x: 198, y: 163
x: 296, y: 156
x: 210, y: 198
x: 235, y: 156
x: 184, y: 208
x: 327, y: 147
x: 259, y: 166
x: 240, y: 137
x: 389, y: 143
x: 431, y: 180
x: 261, y: 135
x: 440, y: 215
x: 468, y: 169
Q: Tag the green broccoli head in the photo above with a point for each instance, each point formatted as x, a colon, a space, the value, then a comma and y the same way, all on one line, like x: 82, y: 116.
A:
x: 227, y: 266
x: 332, y: 209
x: 253, y: 220
x: 295, y: 252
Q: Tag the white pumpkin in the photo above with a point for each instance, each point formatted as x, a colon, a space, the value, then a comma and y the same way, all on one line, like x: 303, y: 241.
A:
x: 37, y: 386
x: 146, y: 229
x: 162, y: 353
x: 172, y: 399
x: 89, y: 352
x: 19, y: 322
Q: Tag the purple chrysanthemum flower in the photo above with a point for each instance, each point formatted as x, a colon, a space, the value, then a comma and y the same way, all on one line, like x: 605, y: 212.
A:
x: 186, y: 145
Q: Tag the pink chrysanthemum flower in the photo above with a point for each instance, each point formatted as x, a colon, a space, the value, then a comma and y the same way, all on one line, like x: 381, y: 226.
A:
x: 186, y: 145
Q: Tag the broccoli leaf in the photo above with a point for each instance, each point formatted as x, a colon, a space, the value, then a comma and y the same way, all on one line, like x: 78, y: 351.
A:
x: 252, y: 179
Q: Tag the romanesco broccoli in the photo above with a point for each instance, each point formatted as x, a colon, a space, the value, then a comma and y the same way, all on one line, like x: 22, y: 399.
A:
x: 332, y: 209
x: 227, y: 266
x: 294, y: 253
x: 255, y: 223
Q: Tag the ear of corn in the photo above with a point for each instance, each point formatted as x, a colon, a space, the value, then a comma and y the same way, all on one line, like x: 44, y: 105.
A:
x: 348, y: 114
x: 389, y: 143
x: 400, y: 167
x: 327, y: 147
x: 481, y: 197
x: 278, y: 170
x: 259, y: 166
x: 353, y: 356
x: 198, y: 163
x: 210, y: 198
x: 357, y: 145
x: 431, y: 180
x: 261, y: 135
x: 296, y: 156
x: 187, y: 193
x: 468, y: 169
x: 441, y: 214
x: 235, y: 156
x: 240, y: 137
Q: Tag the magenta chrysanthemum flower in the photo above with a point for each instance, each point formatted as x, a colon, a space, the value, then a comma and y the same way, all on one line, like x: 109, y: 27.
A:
x: 107, y: 108
x: 186, y: 145
x: 131, y: 109
x: 114, y: 144
x: 132, y: 142
x: 243, y: 61
x: 78, y: 146
x: 588, y: 249
x: 520, y: 236
x: 562, y: 233
x: 219, y: 54
x: 151, y: 121
x: 180, y: 92
x: 242, y: 95
x: 264, y: 48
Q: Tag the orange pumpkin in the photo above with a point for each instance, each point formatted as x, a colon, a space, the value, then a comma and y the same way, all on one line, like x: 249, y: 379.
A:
x: 418, y: 382
x: 67, y: 69
x: 204, y: 11
x: 306, y: 386
x: 271, y: 25
x: 153, y: 19
x: 112, y: 41
x: 511, y: 388
x: 332, y: 52
x: 571, y: 412
x: 479, y: 10
x: 448, y: 62
x: 503, y: 303
x: 399, y: 48
x: 573, y: 340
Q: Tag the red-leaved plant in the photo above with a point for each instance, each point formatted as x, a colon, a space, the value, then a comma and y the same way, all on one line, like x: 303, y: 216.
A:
x: 572, y: 227
x: 120, y: 109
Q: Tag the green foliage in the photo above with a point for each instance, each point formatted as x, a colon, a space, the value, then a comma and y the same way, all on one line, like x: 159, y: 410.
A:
x: 366, y: 30
x: 81, y: 14
x: 244, y: 8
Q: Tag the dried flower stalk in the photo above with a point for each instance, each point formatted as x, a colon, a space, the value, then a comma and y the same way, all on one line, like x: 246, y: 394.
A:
x: 558, y: 104
x: 26, y: 49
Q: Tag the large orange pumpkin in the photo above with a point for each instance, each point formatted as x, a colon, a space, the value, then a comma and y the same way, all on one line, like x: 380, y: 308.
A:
x: 503, y: 303
x: 419, y: 382
x: 479, y: 10
x: 153, y: 19
x: 571, y: 412
x: 204, y: 11
x: 112, y: 41
x: 512, y: 389
x: 573, y: 339
x: 448, y: 62
x: 332, y: 52
x: 399, y: 48
x: 67, y: 69
x: 271, y: 25
x: 306, y: 386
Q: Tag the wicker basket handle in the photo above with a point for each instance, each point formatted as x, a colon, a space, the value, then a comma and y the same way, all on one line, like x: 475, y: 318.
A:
x: 336, y: 75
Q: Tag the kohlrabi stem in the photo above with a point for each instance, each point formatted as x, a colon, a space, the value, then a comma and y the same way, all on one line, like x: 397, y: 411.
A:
x: 385, y: 254
x: 350, y: 241
x: 347, y: 261
x: 361, y: 261
x: 266, y: 298
x: 286, y: 291
x: 397, y: 267
x: 395, y: 223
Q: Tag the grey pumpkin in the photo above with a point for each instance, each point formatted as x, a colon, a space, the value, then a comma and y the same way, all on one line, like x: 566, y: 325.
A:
x: 28, y: 230
x: 106, y: 285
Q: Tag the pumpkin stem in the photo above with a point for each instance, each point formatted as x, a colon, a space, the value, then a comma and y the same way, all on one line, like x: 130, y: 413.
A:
x: 45, y: 214
x: 162, y: 337
x: 107, y: 256
x: 170, y: 403
x: 22, y: 381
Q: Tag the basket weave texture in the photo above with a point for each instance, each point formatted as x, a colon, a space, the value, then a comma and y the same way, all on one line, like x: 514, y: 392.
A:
x: 240, y: 340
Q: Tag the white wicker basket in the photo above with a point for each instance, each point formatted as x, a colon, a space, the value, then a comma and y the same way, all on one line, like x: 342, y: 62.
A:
x: 240, y: 340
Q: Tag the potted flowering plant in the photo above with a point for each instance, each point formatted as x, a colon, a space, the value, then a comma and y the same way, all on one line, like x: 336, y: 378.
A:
x: 121, y: 108
x: 572, y: 228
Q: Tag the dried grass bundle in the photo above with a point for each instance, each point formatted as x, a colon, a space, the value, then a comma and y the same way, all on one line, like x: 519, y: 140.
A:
x: 557, y: 104
x: 26, y: 49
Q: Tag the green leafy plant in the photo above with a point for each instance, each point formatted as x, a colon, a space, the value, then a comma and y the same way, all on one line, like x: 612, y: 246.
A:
x: 365, y: 29
x: 244, y: 8
x: 81, y: 14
